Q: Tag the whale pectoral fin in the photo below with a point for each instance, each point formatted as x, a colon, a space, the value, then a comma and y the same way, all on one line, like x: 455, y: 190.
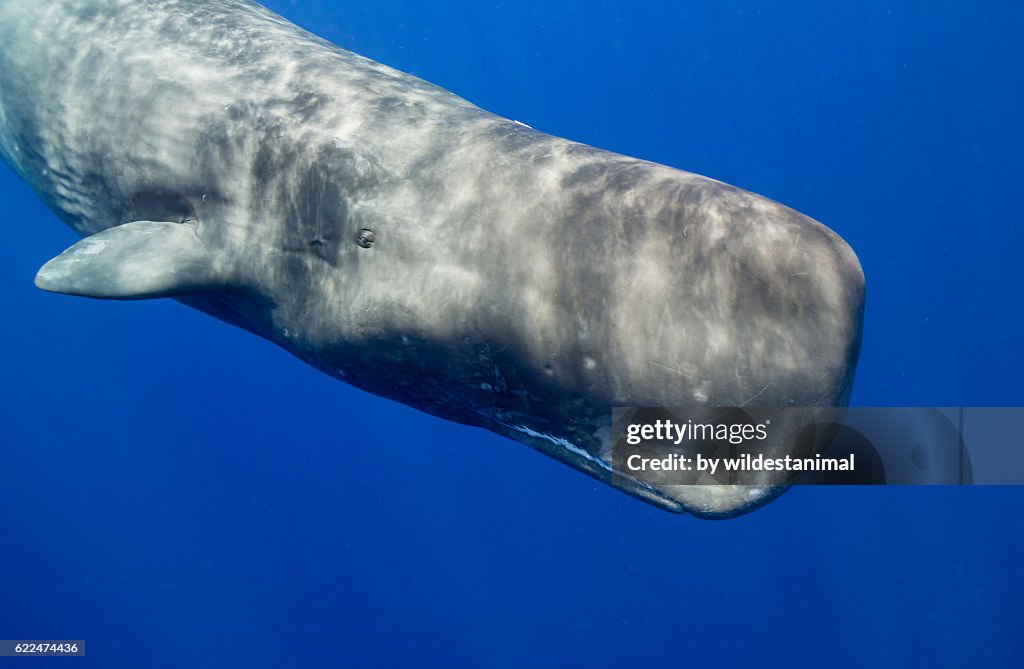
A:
x: 135, y: 261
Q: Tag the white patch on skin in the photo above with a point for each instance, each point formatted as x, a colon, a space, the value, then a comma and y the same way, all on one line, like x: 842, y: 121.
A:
x: 578, y: 451
x: 561, y: 442
x: 715, y: 499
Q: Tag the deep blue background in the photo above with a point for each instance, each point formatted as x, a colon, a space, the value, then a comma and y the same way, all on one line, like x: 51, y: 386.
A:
x: 180, y: 493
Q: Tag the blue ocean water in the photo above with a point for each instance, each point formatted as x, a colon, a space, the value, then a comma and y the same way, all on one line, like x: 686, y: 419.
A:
x: 180, y: 493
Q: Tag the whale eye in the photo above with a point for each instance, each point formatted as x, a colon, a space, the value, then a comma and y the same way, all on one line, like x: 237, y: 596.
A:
x: 366, y: 238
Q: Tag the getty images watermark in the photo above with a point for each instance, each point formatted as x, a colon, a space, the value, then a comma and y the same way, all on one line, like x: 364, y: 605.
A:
x: 819, y: 445
x: 711, y: 460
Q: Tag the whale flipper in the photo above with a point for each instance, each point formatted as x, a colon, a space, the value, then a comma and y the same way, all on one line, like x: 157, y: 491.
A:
x: 135, y: 261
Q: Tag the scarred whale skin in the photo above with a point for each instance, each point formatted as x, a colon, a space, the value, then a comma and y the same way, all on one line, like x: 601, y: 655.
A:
x: 400, y: 239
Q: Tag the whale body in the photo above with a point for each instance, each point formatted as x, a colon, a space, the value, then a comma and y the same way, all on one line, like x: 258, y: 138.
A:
x: 409, y: 243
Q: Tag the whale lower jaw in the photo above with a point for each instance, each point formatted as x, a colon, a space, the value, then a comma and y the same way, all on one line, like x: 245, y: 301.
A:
x: 702, y: 501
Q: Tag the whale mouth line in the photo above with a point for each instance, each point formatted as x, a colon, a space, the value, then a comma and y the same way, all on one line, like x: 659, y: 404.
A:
x: 573, y: 448
x: 569, y: 446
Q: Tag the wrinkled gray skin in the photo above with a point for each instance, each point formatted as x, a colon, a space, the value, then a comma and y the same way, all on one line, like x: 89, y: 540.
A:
x: 516, y: 281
